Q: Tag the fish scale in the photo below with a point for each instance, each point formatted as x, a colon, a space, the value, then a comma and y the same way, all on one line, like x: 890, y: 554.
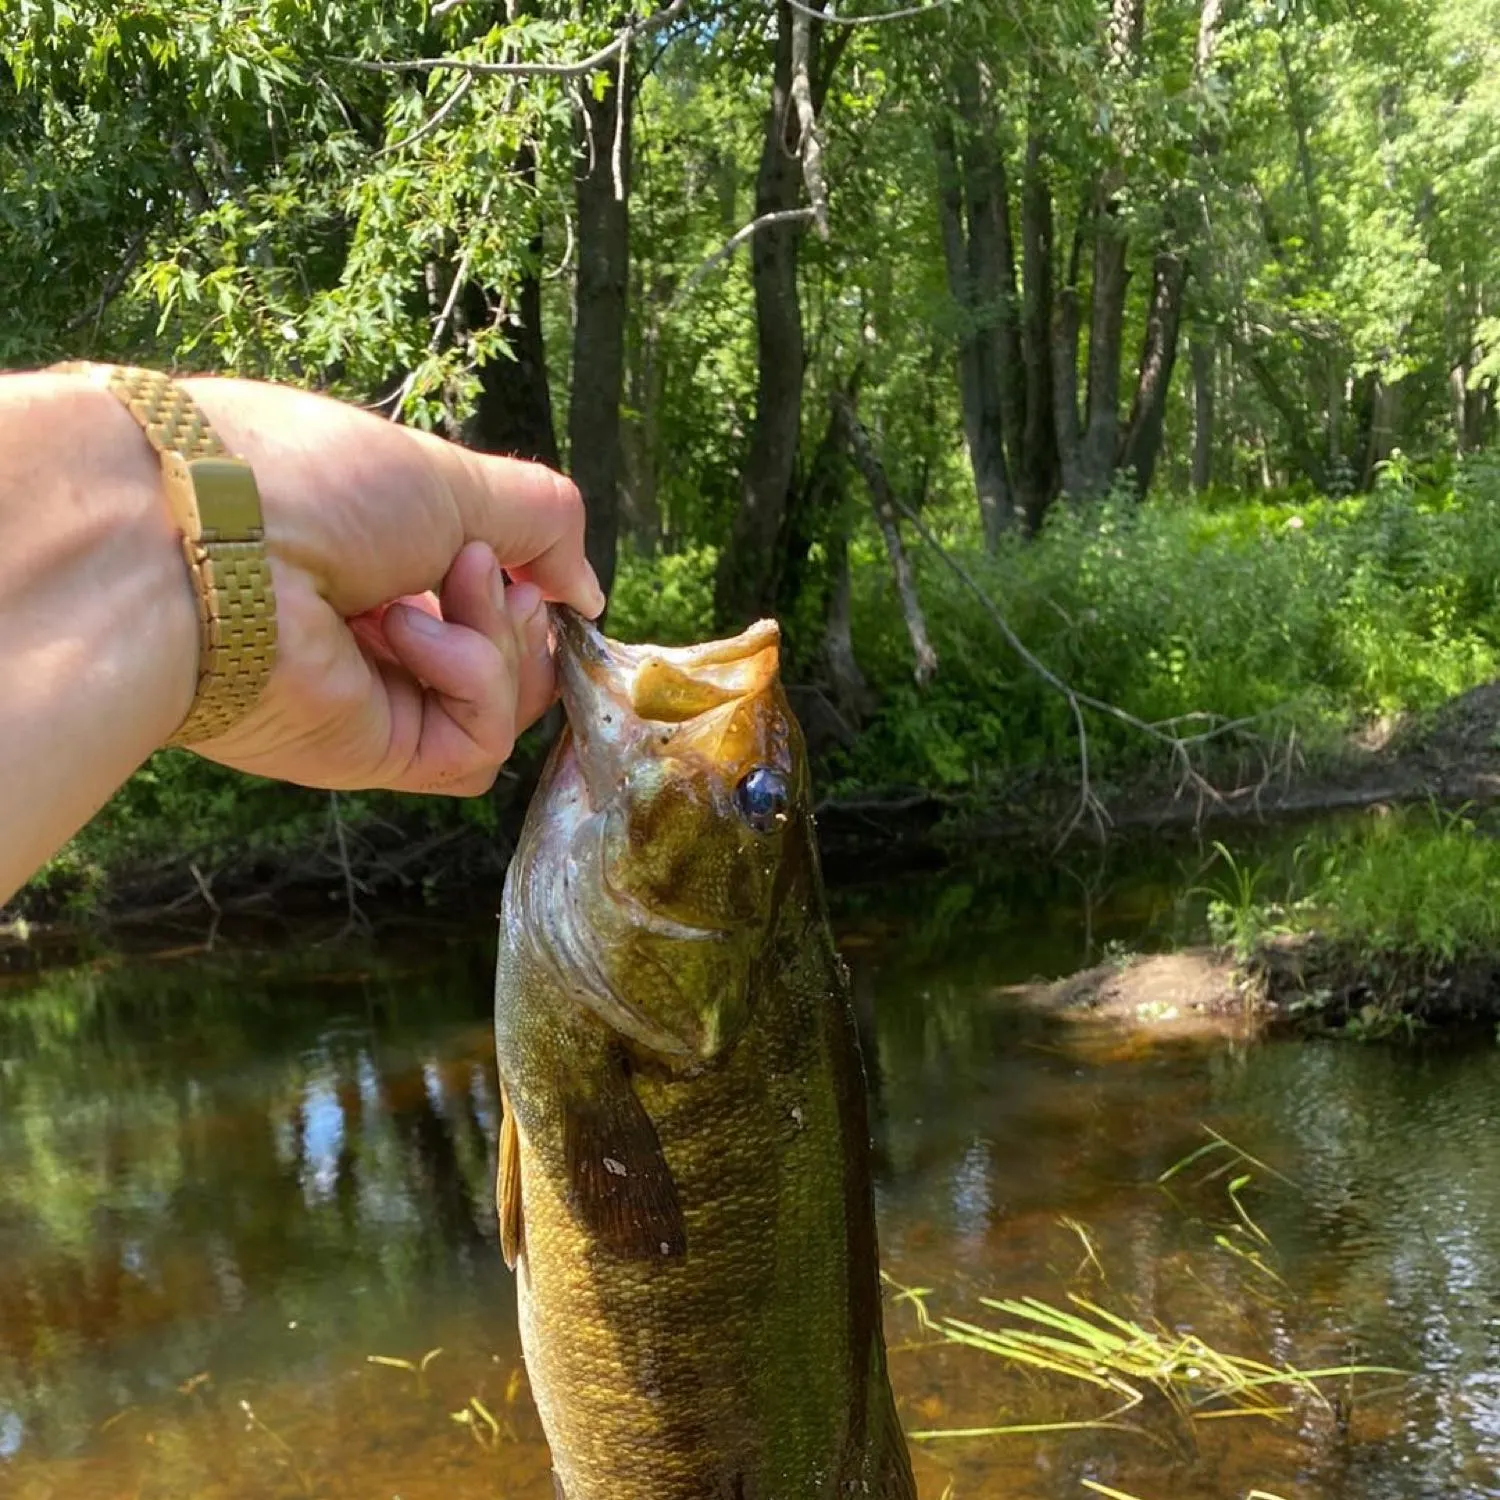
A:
x: 685, y: 1174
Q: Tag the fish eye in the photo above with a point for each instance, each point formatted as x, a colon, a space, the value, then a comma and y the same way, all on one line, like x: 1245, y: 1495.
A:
x: 762, y: 799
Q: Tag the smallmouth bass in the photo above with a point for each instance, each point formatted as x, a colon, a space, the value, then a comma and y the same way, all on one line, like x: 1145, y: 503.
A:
x: 685, y: 1189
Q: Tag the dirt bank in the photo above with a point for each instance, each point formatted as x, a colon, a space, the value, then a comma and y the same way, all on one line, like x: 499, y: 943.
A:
x: 1196, y: 992
x: 1451, y: 757
x: 1301, y: 985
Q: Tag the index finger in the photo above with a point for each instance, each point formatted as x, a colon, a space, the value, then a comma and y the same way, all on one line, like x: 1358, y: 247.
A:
x: 530, y: 515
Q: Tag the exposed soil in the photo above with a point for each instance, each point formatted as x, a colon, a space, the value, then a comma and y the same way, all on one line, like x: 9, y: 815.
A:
x: 1302, y: 985
x: 1193, y: 993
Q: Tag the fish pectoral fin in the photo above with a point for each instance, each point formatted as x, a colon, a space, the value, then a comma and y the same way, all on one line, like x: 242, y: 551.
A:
x: 618, y: 1178
x: 508, y: 1183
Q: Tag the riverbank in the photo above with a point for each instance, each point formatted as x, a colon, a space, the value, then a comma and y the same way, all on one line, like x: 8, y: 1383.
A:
x: 1305, y: 985
x: 359, y: 854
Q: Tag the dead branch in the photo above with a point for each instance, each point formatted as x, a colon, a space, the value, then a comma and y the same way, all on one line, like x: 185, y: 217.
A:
x: 885, y: 504
x: 869, y: 20
x: 1180, y: 746
x: 442, y: 112
x: 580, y: 69
x: 443, y: 319
x: 114, y: 285
x: 617, y: 161
x: 733, y: 243
x: 810, y: 145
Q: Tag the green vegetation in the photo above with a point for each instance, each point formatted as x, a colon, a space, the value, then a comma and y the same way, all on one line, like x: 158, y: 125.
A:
x: 1056, y: 269
x: 1377, y: 926
x: 1297, y: 620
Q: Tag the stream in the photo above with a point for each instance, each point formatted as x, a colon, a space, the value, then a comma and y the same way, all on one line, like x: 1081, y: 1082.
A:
x: 248, y: 1249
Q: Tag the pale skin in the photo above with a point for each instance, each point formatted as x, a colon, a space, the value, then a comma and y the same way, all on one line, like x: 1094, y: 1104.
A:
x: 410, y: 579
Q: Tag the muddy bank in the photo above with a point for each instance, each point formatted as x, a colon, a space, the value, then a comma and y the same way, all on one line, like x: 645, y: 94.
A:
x: 1451, y: 758
x: 1300, y: 985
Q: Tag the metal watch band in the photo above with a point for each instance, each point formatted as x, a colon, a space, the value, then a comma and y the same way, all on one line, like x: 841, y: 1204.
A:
x: 216, y: 506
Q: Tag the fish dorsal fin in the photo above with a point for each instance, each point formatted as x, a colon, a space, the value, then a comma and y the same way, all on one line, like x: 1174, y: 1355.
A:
x: 508, y: 1183
x: 619, y: 1182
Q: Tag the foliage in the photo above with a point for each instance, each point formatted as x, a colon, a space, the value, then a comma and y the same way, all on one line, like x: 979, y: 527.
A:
x: 1303, y: 617
x: 1417, y: 886
x: 1376, y: 927
x: 225, y: 185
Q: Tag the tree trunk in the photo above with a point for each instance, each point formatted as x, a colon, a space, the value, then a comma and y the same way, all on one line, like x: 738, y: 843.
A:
x: 1143, y: 432
x: 602, y: 194
x: 1066, y: 327
x: 1385, y: 412
x: 639, y: 432
x: 979, y: 393
x: 867, y: 461
x: 1101, y: 434
x: 992, y: 260
x: 746, y: 582
x: 514, y: 411
x: 1201, y: 353
x: 1037, y: 473
x: 846, y: 683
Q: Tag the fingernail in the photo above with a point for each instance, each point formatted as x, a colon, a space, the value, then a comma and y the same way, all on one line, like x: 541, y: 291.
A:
x: 497, y: 585
x: 420, y: 621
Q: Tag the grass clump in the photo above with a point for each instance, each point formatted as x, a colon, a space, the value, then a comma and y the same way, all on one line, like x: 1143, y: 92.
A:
x: 1378, y: 927
x: 1160, y: 1382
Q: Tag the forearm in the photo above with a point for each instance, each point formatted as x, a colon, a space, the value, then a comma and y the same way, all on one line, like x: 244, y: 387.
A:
x: 98, y: 630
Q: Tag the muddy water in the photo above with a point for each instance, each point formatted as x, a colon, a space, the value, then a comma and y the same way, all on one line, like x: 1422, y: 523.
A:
x: 243, y: 1194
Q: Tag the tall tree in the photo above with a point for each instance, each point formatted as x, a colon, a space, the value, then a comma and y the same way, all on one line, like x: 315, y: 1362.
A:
x: 802, y: 64
x: 602, y: 195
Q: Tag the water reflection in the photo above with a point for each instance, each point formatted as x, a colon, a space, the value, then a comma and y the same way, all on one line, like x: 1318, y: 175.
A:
x: 225, y: 1182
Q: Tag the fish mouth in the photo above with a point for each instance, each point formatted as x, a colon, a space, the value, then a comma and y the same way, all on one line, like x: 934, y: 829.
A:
x: 626, y: 703
x: 658, y: 684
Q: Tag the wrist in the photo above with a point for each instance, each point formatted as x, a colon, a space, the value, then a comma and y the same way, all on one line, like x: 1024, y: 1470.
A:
x: 98, y: 629
x: 101, y: 558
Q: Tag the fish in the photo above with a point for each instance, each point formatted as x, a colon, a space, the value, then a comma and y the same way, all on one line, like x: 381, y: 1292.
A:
x: 684, y: 1185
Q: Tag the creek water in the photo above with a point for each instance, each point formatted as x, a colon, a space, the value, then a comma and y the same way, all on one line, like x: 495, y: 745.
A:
x: 247, y: 1242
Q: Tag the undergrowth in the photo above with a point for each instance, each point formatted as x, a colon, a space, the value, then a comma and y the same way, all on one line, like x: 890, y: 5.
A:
x: 1379, y: 925
x: 1306, y: 618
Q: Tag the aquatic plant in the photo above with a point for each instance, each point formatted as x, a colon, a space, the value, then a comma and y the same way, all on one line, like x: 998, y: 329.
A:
x: 1129, y: 1358
x: 1163, y: 1381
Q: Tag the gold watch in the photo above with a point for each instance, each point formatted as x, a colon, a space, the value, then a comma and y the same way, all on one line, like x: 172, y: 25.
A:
x: 216, y: 506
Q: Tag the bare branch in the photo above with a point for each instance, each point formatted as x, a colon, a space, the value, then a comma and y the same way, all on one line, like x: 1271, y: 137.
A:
x: 444, y: 317
x: 1180, y: 746
x: 883, y: 499
x: 114, y: 285
x: 442, y: 112
x: 580, y: 69
x: 733, y: 243
x: 811, y: 145
x: 870, y: 20
x: 618, y: 154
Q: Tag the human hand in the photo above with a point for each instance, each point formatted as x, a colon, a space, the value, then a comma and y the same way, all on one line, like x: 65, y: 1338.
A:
x: 404, y: 660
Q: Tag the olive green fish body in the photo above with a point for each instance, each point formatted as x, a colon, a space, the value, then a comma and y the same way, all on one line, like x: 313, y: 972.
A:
x: 689, y: 1205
